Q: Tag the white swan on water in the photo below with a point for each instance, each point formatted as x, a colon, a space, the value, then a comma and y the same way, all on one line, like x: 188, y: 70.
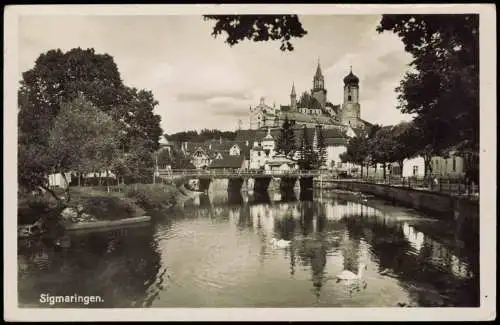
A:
x: 348, y: 275
x: 280, y: 243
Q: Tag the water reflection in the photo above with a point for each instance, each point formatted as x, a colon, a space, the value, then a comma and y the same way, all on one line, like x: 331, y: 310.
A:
x: 217, y: 253
x: 117, y: 265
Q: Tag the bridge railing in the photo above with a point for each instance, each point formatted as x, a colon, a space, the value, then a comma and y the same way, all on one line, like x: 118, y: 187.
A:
x: 249, y: 172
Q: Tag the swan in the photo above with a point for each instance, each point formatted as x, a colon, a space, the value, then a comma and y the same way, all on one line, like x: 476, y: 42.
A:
x: 280, y: 243
x: 348, y: 275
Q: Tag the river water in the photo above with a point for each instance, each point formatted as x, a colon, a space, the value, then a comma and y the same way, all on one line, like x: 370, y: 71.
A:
x: 216, y: 251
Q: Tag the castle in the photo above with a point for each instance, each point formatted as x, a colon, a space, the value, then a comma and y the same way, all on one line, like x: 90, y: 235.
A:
x: 313, y: 109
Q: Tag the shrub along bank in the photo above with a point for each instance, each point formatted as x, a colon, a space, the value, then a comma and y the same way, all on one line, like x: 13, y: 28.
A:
x: 124, y: 201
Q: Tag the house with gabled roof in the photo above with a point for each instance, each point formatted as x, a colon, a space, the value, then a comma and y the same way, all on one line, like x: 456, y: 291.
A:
x: 228, y: 163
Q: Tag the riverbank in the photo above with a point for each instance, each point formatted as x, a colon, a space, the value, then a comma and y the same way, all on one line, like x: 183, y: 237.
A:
x: 42, y: 213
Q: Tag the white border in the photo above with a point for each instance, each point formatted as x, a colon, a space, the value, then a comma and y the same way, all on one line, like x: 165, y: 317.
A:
x: 487, y: 311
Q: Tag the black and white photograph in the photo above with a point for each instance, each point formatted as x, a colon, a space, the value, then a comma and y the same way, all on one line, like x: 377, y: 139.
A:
x: 256, y: 162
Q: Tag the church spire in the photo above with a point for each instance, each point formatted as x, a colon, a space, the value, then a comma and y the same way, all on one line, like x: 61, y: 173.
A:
x: 319, y: 74
x: 318, y: 80
x: 293, y: 98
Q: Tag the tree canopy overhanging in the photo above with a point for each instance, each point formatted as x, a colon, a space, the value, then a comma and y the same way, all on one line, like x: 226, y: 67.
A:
x: 258, y: 28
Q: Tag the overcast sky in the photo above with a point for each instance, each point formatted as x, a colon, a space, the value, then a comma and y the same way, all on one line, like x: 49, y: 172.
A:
x: 201, y: 82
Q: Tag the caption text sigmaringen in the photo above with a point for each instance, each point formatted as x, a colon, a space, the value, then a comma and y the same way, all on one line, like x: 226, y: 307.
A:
x: 75, y: 299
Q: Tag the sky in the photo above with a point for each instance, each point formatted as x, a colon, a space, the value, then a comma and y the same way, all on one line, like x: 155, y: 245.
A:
x: 202, y: 82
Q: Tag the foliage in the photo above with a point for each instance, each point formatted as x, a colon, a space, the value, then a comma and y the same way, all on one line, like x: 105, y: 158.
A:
x: 321, y: 154
x: 286, y: 140
x: 82, y: 136
x: 307, y: 156
x: 404, y: 142
x: 152, y: 197
x: 59, y: 77
x: 204, y: 135
x: 357, y: 151
x: 443, y: 88
x: 258, y: 28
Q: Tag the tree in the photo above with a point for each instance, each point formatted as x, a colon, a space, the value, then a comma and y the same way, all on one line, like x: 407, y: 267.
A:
x: 321, y: 153
x: 136, y: 114
x: 382, y: 147
x: 356, y: 152
x: 404, y: 144
x: 82, y: 138
x: 307, y: 156
x: 443, y: 88
x: 286, y: 140
x: 59, y: 77
x: 258, y: 28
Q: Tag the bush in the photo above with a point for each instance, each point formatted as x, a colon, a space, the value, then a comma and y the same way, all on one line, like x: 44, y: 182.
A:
x: 152, y: 196
x: 108, y: 207
x: 31, y: 208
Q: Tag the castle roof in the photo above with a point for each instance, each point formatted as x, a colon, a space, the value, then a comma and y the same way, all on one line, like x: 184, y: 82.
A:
x: 303, y: 118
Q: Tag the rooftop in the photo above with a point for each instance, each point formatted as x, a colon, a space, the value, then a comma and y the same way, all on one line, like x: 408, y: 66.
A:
x: 228, y: 162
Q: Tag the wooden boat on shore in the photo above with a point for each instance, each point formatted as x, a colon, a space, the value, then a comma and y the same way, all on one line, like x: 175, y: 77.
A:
x: 107, y: 224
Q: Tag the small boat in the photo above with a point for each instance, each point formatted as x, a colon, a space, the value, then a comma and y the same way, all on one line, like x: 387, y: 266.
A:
x: 107, y: 223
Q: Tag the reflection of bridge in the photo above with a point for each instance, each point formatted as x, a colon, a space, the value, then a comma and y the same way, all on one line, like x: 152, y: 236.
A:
x: 235, y: 180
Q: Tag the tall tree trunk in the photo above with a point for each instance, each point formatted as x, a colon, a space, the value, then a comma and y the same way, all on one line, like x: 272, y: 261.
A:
x: 66, y: 190
x: 362, y: 171
x: 107, y: 179
x: 401, y: 164
x: 427, y: 170
x: 384, y: 165
x: 54, y: 195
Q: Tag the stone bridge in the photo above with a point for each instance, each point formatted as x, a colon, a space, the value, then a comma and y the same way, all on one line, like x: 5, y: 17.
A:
x: 245, y: 180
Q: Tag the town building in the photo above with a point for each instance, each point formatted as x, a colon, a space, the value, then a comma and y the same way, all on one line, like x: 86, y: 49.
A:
x: 449, y: 167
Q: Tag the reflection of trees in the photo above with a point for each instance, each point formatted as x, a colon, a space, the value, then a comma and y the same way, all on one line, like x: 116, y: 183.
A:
x: 245, y: 219
x: 417, y: 270
x: 116, y: 265
x: 350, y: 244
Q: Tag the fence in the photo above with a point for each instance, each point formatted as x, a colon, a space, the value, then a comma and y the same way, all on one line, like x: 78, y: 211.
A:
x: 236, y: 172
x: 452, y: 186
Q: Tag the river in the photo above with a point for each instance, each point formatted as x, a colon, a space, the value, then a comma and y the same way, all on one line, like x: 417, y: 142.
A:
x: 216, y: 252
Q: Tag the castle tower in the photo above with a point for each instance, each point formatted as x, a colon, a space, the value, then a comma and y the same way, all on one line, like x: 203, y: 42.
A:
x: 318, y: 91
x: 293, y: 99
x: 350, y: 114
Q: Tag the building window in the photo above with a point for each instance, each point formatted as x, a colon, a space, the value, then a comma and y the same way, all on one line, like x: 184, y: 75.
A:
x: 454, y: 164
x: 349, y: 98
x: 415, y: 170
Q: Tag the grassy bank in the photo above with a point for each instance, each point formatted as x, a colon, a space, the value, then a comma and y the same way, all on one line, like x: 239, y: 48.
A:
x: 125, y: 201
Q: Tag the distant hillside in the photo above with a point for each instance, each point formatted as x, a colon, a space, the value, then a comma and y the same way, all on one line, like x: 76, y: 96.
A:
x: 204, y: 135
